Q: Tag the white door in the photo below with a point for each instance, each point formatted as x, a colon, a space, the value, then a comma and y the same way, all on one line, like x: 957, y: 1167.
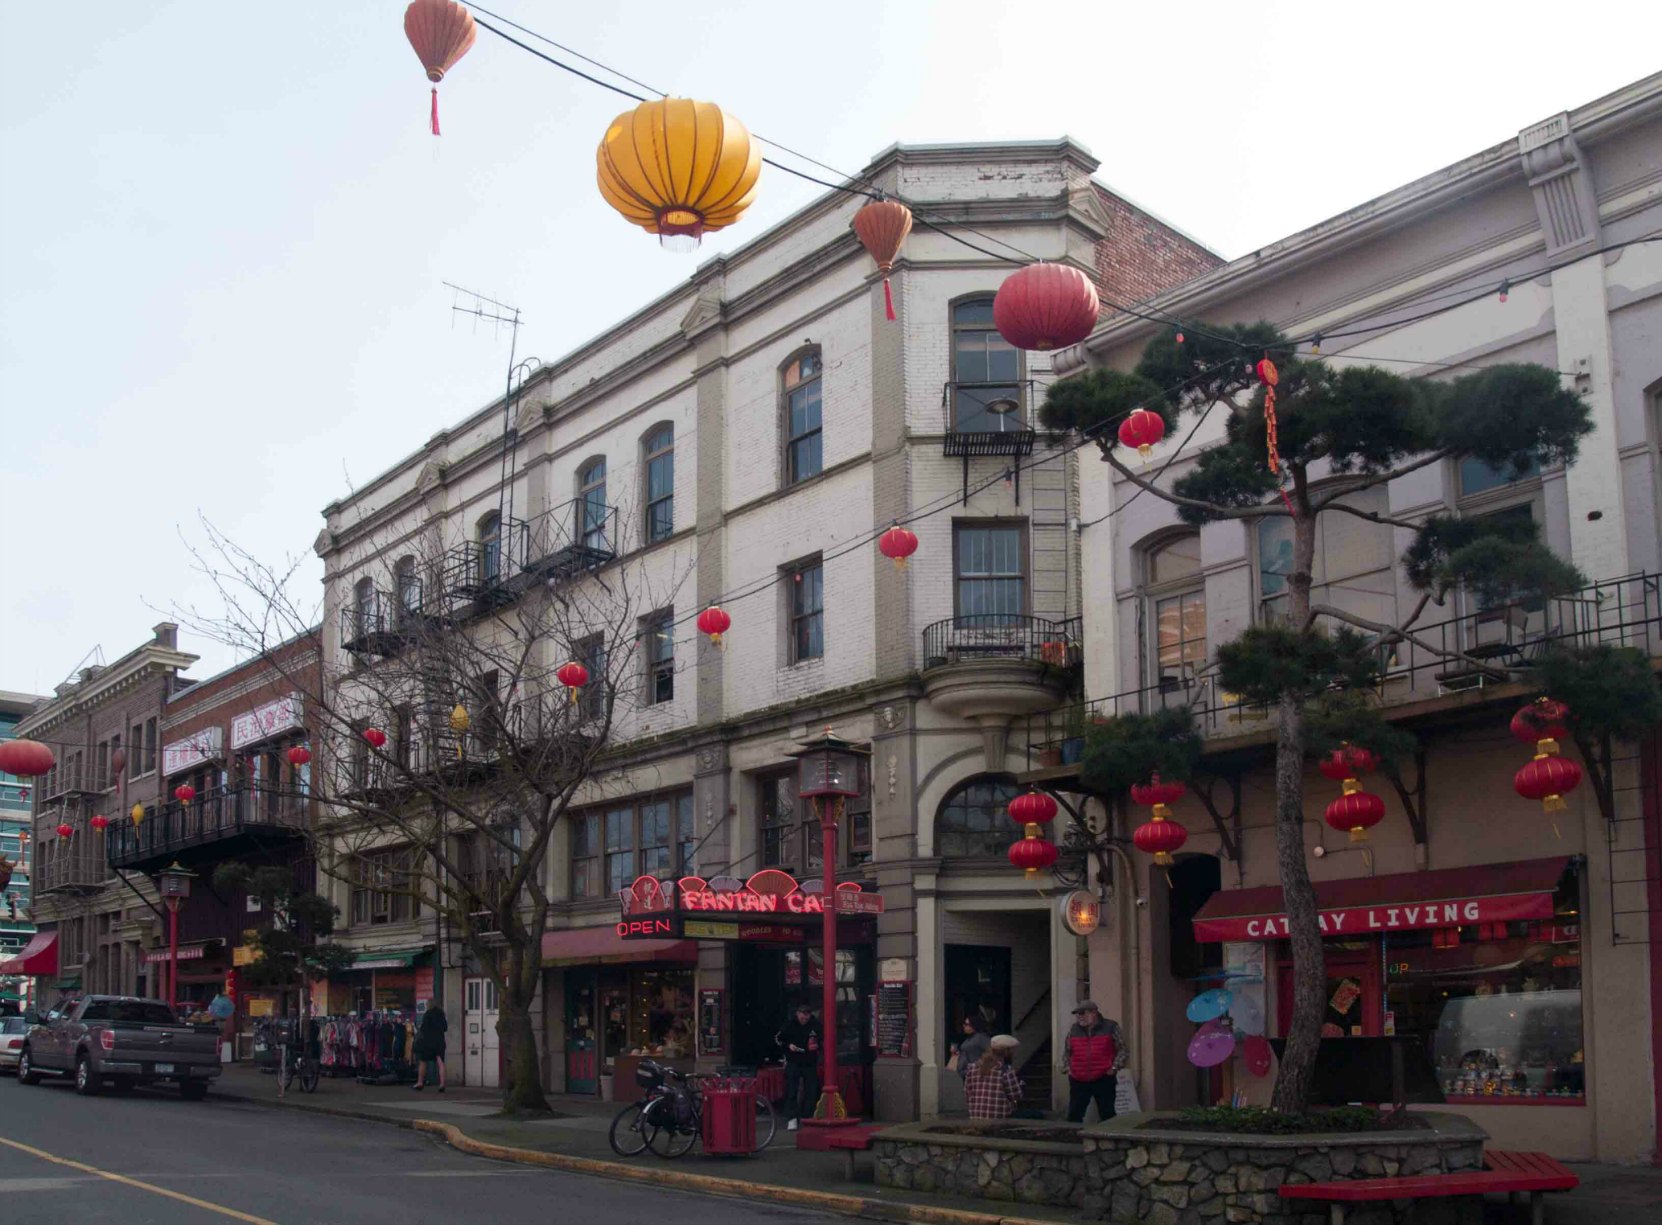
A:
x: 482, y: 1060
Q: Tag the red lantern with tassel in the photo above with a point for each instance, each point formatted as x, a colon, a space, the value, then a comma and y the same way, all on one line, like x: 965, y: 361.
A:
x: 1033, y: 855
x: 1542, y: 719
x: 882, y: 227
x: 1045, y: 306
x: 1032, y: 808
x: 375, y: 736
x: 1160, y: 795
x: 99, y: 823
x: 897, y: 544
x: 1159, y: 838
x: 573, y: 676
x: 184, y: 793
x: 26, y: 758
x: 1356, y: 812
x: 118, y: 762
x: 1549, y: 778
x: 1347, y: 763
x: 66, y: 830
x: 714, y: 621
x: 441, y: 31
x: 299, y: 755
x: 1142, y: 429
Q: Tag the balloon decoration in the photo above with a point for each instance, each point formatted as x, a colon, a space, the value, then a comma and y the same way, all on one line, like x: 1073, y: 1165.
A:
x: 375, y: 736
x: 1161, y: 835
x: 1256, y: 1054
x: 1550, y: 776
x: 25, y: 758
x: 678, y: 169
x: 1208, y: 1049
x: 1033, y: 854
x: 714, y: 621
x: 1355, y: 811
x: 1045, y: 306
x: 184, y: 793
x: 573, y: 676
x: 1209, y: 1005
x: 882, y: 227
x: 441, y: 31
x: 299, y: 755
x: 1142, y: 429
x: 897, y: 544
x: 66, y: 830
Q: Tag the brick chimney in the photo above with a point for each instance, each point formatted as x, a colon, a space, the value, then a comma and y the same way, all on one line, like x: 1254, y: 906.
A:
x: 167, y: 635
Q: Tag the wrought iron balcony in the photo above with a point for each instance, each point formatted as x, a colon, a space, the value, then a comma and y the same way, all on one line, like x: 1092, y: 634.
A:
x: 385, y: 622
x: 988, y: 418
x: 70, y: 864
x: 479, y: 575
x: 572, y: 538
x: 221, y: 820
x: 1051, y: 644
x: 72, y: 777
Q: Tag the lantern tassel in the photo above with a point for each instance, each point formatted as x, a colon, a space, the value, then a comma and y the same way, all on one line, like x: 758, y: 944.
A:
x: 435, y: 110
x: 888, y: 299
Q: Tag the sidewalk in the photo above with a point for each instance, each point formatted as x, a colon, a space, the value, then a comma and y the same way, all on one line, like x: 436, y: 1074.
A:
x: 576, y: 1140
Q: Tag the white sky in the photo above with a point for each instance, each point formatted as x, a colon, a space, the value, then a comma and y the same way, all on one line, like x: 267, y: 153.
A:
x: 223, y: 226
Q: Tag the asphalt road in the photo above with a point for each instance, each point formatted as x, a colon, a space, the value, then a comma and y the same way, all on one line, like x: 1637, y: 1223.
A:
x: 150, y: 1157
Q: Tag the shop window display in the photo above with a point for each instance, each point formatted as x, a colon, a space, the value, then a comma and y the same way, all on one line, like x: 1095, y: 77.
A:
x: 648, y: 1012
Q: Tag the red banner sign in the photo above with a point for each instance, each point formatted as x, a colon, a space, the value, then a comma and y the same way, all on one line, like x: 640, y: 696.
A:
x: 1365, y: 920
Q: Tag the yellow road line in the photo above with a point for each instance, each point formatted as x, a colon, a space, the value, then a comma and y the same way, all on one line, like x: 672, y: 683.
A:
x: 142, y: 1186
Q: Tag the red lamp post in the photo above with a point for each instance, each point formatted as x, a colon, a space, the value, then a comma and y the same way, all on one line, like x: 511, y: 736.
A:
x: 828, y: 772
x: 174, y: 884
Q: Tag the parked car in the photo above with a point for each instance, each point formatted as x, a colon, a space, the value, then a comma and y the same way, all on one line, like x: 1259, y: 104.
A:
x: 119, y: 1040
x: 12, y: 1030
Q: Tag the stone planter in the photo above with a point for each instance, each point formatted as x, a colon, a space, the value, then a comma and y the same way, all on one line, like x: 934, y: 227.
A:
x: 993, y: 1162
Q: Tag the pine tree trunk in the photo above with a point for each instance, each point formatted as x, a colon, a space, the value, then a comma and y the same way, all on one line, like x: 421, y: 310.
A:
x: 1298, y: 1060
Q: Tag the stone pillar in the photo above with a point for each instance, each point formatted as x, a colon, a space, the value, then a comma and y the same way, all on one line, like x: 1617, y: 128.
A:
x: 703, y: 327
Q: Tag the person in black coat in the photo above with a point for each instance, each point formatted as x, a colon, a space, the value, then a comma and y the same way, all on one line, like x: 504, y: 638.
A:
x: 429, y: 1045
x: 801, y: 1039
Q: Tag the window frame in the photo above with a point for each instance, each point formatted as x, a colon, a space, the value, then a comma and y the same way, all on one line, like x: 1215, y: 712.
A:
x: 488, y: 533
x: 790, y: 476
x: 798, y: 839
x: 381, y: 867
x: 1024, y: 540
x: 658, y: 673
x: 1001, y: 831
x: 591, y: 653
x: 404, y: 582
x: 1009, y: 423
x: 657, y: 446
x: 1155, y: 594
x: 592, y: 875
x: 591, y: 480
x: 797, y: 618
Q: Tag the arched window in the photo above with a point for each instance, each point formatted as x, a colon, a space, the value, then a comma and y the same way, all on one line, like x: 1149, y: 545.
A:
x: 658, y: 456
x: 591, y: 503
x: 800, y: 388
x: 972, y: 821
x: 1177, y: 609
x: 986, y: 372
x: 408, y: 588
x: 490, y: 548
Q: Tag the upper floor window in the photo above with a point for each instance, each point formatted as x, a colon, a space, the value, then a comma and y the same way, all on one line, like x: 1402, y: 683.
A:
x: 804, y: 456
x: 141, y: 758
x: 490, y: 548
x: 591, y: 503
x: 659, y: 453
x: 972, y: 821
x: 408, y: 588
x: 610, y: 847
x: 591, y: 699
x: 658, y: 634
x: 363, y: 602
x: 1478, y: 477
x: 386, y: 887
x: 986, y: 372
x: 1352, y: 566
x: 1177, y: 592
x: 805, y: 594
x: 990, y: 571
x: 789, y: 831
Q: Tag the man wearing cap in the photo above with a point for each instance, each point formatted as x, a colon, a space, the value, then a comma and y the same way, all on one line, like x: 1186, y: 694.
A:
x: 1094, y: 1053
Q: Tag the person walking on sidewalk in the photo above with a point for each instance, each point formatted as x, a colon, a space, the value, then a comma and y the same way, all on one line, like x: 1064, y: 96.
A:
x: 429, y: 1046
x: 993, y: 1087
x: 800, y: 1037
x: 1093, y: 1055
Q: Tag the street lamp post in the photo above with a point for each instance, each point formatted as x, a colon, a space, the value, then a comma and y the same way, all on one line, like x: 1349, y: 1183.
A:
x: 828, y: 772
x: 174, y: 883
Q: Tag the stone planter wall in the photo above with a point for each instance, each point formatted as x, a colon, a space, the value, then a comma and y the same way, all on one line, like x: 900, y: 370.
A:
x: 996, y: 1166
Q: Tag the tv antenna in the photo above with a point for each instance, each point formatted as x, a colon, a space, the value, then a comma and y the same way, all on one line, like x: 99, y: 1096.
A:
x: 484, y: 308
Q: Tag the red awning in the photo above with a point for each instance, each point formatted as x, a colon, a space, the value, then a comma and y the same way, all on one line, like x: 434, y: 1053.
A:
x: 39, y: 957
x: 580, y: 945
x: 1449, y: 897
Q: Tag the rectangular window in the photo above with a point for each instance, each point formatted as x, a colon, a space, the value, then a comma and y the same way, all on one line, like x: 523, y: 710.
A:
x: 660, y: 484
x: 1478, y: 477
x: 991, y: 578
x: 1180, y: 626
x: 806, y: 594
x: 657, y: 852
x: 591, y: 653
x: 384, y: 887
x: 585, y: 855
x: 487, y: 718
x: 659, y: 633
x: 652, y: 836
x: 778, y: 818
x: 403, y: 736
x: 803, y: 454
x: 620, y: 848
x: 986, y: 371
x: 687, y: 833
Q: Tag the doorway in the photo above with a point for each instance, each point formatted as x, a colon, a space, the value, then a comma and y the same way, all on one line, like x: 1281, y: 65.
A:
x: 582, y: 1043
x: 1354, y: 1007
x: 482, y: 1061
x: 977, y: 983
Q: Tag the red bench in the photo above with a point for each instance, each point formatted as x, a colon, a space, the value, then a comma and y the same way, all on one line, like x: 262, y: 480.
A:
x: 848, y: 1140
x: 1515, y: 1173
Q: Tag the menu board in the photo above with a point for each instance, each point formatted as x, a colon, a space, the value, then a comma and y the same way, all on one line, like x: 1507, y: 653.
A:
x: 712, y: 1037
x: 894, y: 1019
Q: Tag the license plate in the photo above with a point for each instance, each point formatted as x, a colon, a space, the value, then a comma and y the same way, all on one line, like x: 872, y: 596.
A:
x: 164, y: 1069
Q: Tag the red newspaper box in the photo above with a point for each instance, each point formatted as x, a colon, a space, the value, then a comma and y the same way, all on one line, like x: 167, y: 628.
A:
x: 730, y: 1118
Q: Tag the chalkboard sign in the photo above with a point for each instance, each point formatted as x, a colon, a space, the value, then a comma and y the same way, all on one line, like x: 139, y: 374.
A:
x: 712, y: 1037
x: 894, y: 1019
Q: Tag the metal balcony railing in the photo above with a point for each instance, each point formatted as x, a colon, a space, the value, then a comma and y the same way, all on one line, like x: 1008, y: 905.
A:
x: 215, y: 816
x: 69, y: 863
x: 988, y: 418
x: 483, y: 573
x: 1500, y: 643
x: 571, y: 538
x: 383, y: 622
x: 1055, y: 644
x: 72, y: 776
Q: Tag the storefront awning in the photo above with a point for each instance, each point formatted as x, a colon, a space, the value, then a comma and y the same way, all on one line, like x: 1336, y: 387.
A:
x: 39, y: 956
x: 388, y: 959
x: 582, y: 945
x: 1449, y: 897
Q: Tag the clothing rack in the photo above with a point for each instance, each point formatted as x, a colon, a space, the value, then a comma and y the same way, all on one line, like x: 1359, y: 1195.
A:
x: 375, y: 1047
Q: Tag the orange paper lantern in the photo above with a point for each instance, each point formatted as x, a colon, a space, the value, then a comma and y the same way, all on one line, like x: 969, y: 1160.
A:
x: 882, y: 227
x: 441, y: 31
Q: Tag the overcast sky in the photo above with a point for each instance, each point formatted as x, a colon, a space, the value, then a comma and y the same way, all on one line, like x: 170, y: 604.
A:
x: 223, y: 227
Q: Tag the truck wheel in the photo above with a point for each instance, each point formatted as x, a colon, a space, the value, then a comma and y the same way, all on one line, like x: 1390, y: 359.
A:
x: 26, y: 1074
x: 87, y: 1082
x: 193, y: 1090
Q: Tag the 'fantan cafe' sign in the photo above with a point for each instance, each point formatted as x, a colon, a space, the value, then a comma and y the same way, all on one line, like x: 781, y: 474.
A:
x: 654, y: 909
x: 1364, y: 920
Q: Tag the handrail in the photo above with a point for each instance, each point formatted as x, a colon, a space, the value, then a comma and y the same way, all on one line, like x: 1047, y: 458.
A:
x: 1002, y: 636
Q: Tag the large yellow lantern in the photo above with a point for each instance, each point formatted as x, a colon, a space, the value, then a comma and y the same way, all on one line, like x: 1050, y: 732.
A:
x: 678, y: 168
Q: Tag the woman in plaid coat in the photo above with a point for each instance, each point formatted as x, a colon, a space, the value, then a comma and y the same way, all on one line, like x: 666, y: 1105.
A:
x: 992, y: 1086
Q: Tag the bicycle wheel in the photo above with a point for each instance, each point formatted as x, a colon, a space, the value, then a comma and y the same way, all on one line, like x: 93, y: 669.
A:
x: 308, y: 1076
x: 766, y: 1123
x: 671, y: 1139
x: 629, y: 1131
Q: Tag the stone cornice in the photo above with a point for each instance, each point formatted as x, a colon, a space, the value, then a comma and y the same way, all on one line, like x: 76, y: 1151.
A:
x: 149, y: 662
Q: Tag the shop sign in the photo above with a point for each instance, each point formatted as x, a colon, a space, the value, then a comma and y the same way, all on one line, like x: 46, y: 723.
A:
x: 244, y: 955
x: 1364, y: 920
x: 770, y: 892
x: 194, y: 952
x: 1081, y: 912
x: 196, y: 748
x: 265, y: 721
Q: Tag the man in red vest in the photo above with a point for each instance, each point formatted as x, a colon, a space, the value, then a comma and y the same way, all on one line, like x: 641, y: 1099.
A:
x: 1093, y: 1055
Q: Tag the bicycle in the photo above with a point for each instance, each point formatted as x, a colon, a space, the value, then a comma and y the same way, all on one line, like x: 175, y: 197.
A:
x: 303, y: 1068
x: 670, y: 1119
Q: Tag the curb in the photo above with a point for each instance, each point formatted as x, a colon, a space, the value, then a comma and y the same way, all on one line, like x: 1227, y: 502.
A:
x: 339, y: 1112
x: 732, y: 1188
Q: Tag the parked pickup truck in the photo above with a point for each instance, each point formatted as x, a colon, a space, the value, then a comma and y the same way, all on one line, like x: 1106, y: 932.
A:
x: 119, y: 1040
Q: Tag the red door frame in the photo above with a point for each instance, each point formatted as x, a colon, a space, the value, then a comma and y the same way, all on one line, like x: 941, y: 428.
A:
x: 1362, y: 965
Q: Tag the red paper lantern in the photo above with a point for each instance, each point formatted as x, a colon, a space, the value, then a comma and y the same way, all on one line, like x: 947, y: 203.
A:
x: 375, y: 736
x: 66, y: 830
x: 1549, y: 778
x: 184, y: 793
x: 99, y: 823
x: 1542, y: 719
x: 573, y: 676
x: 1045, y: 306
x: 1033, y: 855
x: 1348, y: 762
x: 1157, y: 793
x: 118, y: 761
x: 25, y: 758
x: 1159, y: 838
x: 441, y: 31
x: 714, y: 622
x: 897, y: 544
x: 1142, y: 429
x: 299, y: 755
x: 1032, y: 808
x: 882, y: 226
x: 1356, y: 812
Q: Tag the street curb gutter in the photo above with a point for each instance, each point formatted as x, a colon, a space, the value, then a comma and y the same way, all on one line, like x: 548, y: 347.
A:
x: 736, y: 1188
